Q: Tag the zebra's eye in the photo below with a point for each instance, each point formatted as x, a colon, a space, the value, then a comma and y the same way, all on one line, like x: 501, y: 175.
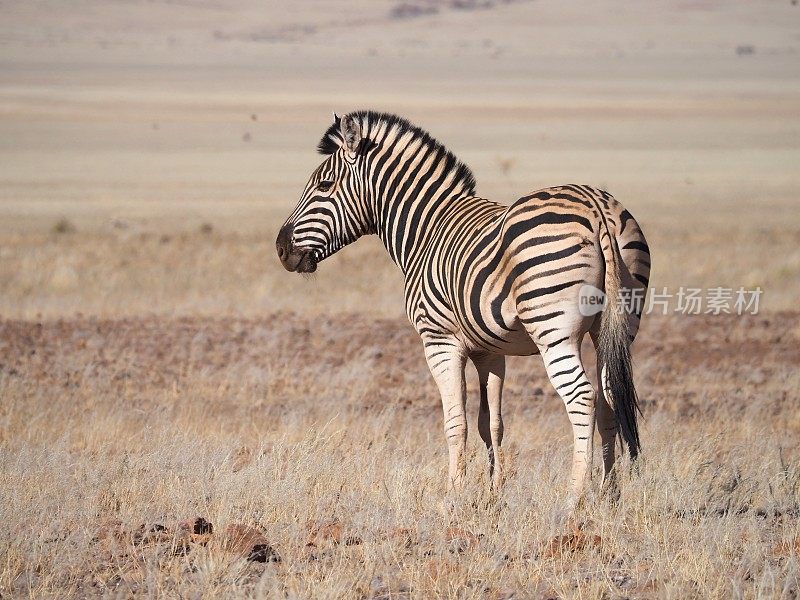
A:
x: 324, y: 186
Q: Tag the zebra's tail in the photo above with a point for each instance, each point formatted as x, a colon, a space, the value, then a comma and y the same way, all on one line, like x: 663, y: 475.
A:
x: 613, y: 352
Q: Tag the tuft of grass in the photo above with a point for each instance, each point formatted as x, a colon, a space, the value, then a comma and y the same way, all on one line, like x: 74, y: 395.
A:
x: 63, y: 226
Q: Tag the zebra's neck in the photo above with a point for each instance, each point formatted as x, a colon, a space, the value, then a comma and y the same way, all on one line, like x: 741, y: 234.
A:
x: 408, y: 225
x: 414, y: 185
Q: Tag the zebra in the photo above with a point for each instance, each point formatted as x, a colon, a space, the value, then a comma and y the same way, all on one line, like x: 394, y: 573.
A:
x: 484, y: 280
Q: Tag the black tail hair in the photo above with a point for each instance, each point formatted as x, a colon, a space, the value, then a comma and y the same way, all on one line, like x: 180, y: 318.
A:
x: 614, y: 354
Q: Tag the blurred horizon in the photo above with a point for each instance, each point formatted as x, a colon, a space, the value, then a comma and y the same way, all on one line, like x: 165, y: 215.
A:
x: 164, y: 117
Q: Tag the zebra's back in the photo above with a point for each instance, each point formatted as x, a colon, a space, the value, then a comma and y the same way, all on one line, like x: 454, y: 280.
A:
x: 513, y: 286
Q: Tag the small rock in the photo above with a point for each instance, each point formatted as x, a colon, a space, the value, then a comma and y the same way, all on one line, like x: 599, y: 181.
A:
x: 195, y: 531
x: 249, y: 543
x: 181, y: 535
x: 197, y: 526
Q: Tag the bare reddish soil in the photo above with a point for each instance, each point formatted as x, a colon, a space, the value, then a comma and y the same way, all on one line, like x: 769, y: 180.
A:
x: 683, y: 362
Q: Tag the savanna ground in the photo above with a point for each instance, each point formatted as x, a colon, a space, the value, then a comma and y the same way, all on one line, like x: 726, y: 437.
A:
x: 157, y: 365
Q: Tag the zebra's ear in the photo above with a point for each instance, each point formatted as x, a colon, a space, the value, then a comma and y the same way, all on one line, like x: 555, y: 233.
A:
x: 351, y: 133
x: 335, y: 117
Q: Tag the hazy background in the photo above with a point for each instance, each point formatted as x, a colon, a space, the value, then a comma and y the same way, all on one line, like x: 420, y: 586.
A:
x: 167, y: 141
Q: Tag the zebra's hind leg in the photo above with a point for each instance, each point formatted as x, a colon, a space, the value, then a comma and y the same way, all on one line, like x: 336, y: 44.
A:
x: 606, y: 422
x: 565, y: 370
x: 607, y: 428
x: 491, y: 372
x: 446, y: 361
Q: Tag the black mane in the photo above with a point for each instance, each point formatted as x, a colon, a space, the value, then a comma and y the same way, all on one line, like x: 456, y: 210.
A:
x: 332, y: 140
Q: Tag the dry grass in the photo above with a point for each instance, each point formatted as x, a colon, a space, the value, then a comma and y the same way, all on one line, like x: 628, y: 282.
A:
x: 125, y: 273
x: 110, y: 427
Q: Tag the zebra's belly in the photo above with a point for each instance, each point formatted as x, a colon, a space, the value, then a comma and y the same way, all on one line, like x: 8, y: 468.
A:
x: 519, y: 343
x: 514, y: 341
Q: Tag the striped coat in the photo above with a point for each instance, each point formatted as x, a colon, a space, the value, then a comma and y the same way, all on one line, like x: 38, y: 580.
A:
x: 484, y: 280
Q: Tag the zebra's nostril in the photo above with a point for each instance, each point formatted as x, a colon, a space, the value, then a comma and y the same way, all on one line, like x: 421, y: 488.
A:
x: 280, y: 252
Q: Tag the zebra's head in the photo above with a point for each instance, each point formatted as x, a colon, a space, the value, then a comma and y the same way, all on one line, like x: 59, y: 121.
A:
x: 331, y: 212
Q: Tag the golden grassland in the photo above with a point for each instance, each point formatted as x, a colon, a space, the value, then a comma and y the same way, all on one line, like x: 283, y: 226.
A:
x: 220, y: 260
x: 326, y: 439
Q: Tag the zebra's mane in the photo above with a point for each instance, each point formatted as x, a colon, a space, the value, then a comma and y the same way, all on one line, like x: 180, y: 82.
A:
x: 332, y: 140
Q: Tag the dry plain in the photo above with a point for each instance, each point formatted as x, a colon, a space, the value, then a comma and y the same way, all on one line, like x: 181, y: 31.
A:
x: 158, y: 365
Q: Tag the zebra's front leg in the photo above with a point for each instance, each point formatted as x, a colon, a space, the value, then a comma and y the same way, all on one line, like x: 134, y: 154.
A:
x: 446, y: 361
x: 491, y: 373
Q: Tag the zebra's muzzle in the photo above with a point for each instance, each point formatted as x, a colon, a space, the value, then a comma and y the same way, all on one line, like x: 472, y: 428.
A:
x: 294, y: 259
